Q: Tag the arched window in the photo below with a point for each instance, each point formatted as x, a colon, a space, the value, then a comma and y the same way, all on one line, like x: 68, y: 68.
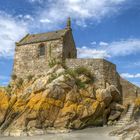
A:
x: 41, y: 49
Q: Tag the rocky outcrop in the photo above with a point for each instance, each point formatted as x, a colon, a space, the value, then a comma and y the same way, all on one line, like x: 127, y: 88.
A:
x: 62, y: 99
x: 129, y: 132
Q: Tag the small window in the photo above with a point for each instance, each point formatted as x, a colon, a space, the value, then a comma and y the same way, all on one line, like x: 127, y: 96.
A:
x: 41, y: 49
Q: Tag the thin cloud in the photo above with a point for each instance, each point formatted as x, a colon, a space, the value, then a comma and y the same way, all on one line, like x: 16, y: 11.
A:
x: 136, y: 64
x: 93, y: 43
x: 55, y: 12
x: 124, y: 47
x: 103, y: 43
x: 112, y: 49
x: 34, y: 1
x: 86, y: 52
x: 128, y: 75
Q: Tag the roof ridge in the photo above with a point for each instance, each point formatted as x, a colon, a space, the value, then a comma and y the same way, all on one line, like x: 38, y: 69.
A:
x: 49, y: 32
x: 33, y: 38
x: 23, y: 39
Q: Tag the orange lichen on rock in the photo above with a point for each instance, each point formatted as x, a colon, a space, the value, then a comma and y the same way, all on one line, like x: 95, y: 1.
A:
x: 60, y: 103
x: 137, y: 102
x: 34, y: 102
x: 4, y: 101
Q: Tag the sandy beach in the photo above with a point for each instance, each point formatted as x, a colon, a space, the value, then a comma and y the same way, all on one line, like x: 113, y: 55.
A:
x: 100, y: 133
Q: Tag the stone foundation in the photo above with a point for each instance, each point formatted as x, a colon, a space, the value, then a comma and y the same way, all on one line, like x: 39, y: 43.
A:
x: 105, y: 74
x: 104, y: 71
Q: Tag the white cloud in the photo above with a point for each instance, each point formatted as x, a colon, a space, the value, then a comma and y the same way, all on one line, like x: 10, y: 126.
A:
x: 54, y: 13
x: 45, y: 20
x: 81, y: 11
x: 103, y: 43
x: 112, y: 49
x: 124, y: 47
x: 11, y: 30
x: 28, y: 17
x: 128, y: 75
x: 33, y: 1
x: 86, y: 52
x: 132, y: 77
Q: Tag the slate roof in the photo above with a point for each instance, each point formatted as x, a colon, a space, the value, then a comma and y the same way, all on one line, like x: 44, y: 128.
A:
x: 34, y: 38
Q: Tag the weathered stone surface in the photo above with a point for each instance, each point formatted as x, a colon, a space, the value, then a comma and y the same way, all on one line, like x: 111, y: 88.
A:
x: 28, y: 59
x: 104, y: 71
x: 130, y: 91
x: 53, y: 98
x: 103, y: 95
x: 129, y: 132
x: 56, y: 103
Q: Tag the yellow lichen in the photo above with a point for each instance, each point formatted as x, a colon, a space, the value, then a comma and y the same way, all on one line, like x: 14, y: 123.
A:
x: 95, y: 105
x: 80, y: 109
x: 87, y: 101
x: 35, y: 101
x: 137, y: 102
x: 4, y: 103
x: 69, y: 109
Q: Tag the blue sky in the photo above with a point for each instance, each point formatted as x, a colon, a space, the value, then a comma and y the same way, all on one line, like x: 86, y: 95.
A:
x: 102, y: 29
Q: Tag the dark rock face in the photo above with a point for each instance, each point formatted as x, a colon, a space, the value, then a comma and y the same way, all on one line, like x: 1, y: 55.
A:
x: 114, y: 115
x: 61, y: 102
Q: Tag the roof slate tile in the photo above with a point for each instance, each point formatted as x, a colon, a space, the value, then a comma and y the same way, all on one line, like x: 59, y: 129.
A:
x: 34, y: 38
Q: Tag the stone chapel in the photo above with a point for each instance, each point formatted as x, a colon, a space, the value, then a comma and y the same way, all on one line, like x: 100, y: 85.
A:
x: 34, y: 51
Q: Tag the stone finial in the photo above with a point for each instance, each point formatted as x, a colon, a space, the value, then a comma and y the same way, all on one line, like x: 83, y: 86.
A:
x: 69, y: 23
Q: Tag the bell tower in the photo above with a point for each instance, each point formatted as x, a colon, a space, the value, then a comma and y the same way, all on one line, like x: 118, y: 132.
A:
x: 69, y: 23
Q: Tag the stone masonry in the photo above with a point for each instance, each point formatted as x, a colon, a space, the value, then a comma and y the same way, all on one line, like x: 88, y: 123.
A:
x: 104, y: 71
x: 29, y: 58
x: 34, y: 52
x: 130, y: 91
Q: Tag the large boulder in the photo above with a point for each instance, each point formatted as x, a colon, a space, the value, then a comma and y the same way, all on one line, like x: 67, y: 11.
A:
x: 103, y: 95
x: 56, y: 100
x: 115, y: 93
